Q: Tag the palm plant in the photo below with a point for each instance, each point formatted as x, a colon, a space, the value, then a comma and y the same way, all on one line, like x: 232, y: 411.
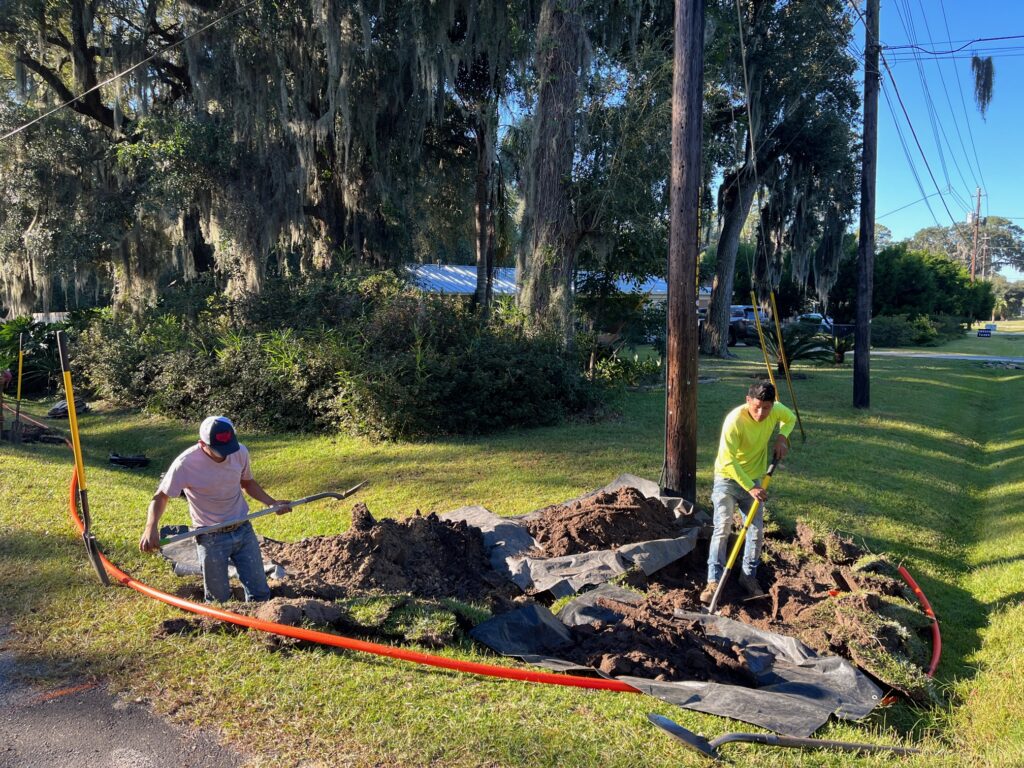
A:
x: 840, y: 346
x: 798, y: 343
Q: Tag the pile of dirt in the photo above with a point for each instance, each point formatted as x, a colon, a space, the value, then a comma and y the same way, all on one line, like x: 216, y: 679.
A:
x: 825, y: 591
x: 821, y: 589
x: 605, y: 520
x: 649, y: 642
x: 421, y: 555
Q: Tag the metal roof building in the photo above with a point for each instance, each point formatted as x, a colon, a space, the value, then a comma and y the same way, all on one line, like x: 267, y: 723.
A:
x: 461, y: 279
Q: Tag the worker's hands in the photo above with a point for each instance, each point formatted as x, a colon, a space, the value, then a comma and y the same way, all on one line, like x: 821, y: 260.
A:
x: 150, y: 541
x: 286, y: 508
x: 759, y: 493
x: 781, y: 447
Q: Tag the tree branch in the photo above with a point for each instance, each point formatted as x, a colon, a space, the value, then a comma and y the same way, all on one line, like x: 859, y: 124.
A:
x: 90, y: 106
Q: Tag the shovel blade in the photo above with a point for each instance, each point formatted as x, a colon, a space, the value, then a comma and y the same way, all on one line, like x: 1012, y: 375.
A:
x: 687, y: 737
x: 92, y: 549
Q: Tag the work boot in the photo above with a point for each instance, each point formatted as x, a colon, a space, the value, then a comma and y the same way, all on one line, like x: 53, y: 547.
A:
x: 749, y: 583
x: 709, y: 592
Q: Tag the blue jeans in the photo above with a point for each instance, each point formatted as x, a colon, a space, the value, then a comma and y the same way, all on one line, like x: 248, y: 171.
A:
x: 239, y: 548
x: 726, y: 495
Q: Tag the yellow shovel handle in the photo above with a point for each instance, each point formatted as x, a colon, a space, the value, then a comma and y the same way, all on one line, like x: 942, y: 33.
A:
x: 748, y: 521
x: 69, y: 393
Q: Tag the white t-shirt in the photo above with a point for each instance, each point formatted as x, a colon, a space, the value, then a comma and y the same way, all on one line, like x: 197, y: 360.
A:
x: 213, y: 488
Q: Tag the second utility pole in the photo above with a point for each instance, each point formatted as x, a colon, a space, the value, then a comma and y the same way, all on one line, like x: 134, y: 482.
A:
x: 977, y: 223
x: 866, y: 244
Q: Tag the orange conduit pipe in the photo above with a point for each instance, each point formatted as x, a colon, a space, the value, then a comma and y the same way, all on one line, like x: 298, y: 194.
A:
x: 340, y: 641
x: 348, y: 643
x: 936, y: 635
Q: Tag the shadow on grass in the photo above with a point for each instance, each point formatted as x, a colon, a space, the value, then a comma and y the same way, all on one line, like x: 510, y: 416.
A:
x: 39, y: 569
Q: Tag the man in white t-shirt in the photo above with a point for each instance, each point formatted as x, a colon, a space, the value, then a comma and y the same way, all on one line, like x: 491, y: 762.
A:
x: 212, y: 475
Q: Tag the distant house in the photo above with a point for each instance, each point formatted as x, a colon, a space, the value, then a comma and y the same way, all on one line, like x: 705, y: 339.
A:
x: 49, y: 317
x: 461, y: 279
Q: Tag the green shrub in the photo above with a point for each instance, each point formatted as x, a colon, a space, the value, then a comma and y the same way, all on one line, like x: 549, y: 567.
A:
x: 119, y: 360
x: 422, y: 373
x: 904, y: 331
x: 891, y: 331
x: 949, y: 327
x: 364, y: 354
x: 629, y: 371
x: 924, y: 331
x: 40, y: 367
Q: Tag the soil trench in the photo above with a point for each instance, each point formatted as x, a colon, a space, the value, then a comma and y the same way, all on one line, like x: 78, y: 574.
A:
x: 820, y: 588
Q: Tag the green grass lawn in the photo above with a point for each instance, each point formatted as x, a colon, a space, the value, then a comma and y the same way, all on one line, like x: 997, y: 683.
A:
x: 1008, y: 341
x: 933, y: 473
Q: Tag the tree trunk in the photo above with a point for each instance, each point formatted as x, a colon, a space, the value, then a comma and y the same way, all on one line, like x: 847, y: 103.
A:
x: 737, y: 199
x: 486, y: 148
x: 550, y: 244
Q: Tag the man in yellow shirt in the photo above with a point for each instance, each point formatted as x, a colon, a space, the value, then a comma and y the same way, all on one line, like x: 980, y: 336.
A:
x: 742, y: 461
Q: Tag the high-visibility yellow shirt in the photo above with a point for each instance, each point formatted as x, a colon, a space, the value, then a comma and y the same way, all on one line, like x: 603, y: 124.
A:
x: 743, y: 448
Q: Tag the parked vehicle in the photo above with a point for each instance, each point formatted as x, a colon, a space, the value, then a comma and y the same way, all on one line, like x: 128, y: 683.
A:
x: 823, y: 322
x: 742, y: 325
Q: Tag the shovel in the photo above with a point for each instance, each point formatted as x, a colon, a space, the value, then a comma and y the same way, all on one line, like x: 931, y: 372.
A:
x: 92, y: 548
x: 710, y: 748
x: 738, y: 546
x: 262, y: 512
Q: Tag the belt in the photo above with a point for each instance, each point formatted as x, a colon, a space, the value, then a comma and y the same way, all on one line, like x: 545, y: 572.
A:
x: 229, y: 528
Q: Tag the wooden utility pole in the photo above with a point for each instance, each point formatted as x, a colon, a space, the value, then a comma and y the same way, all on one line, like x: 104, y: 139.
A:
x: 866, y: 246
x: 681, y: 352
x: 977, y: 223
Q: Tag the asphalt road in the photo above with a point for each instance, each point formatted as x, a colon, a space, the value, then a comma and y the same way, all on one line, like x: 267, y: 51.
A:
x: 78, y: 724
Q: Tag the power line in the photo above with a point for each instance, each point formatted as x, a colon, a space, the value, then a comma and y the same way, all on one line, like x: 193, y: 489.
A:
x: 904, y: 207
x: 963, y: 103
x: 949, y: 102
x: 938, y: 129
x: 132, y: 68
x: 953, y: 50
x: 917, y: 141
x: 907, y: 155
x: 1009, y: 53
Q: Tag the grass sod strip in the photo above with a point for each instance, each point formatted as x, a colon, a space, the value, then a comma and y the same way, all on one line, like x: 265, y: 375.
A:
x: 907, y: 477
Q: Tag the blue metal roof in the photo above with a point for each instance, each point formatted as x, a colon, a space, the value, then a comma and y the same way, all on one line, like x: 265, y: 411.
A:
x: 461, y: 279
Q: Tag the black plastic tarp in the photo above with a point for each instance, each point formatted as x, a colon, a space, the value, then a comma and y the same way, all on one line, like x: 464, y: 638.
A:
x: 796, y: 692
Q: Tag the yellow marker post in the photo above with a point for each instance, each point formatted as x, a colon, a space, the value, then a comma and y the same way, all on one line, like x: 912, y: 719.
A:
x: 91, y: 547
x: 760, y: 337
x: 785, y: 367
x: 741, y: 537
x: 16, y: 430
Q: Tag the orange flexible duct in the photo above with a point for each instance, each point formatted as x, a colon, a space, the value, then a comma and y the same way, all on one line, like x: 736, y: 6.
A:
x: 348, y: 643
x: 936, y: 635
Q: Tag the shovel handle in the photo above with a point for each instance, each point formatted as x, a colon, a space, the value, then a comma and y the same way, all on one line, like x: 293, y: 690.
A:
x: 754, y: 508
x: 269, y: 510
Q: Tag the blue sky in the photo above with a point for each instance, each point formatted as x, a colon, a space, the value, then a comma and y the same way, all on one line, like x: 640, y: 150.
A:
x: 963, y: 149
